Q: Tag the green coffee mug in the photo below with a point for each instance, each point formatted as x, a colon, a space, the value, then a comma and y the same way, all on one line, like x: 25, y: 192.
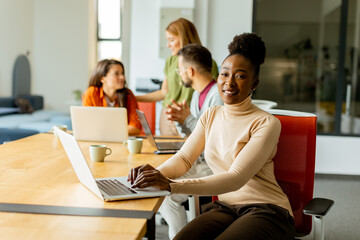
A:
x: 134, y: 145
x: 99, y: 152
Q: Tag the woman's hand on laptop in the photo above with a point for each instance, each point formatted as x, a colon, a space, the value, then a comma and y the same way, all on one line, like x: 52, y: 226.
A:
x: 147, y: 176
x: 134, y: 172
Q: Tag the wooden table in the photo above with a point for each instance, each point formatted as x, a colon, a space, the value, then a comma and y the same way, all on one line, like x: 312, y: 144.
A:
x: 36, y: 170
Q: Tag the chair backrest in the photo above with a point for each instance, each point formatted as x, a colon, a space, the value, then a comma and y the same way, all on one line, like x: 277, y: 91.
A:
x: 264, y: 104
x: 294, y: 162
x: 149, y: 108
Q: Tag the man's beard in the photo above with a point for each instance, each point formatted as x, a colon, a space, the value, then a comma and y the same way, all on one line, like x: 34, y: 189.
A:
x: 188, y: 82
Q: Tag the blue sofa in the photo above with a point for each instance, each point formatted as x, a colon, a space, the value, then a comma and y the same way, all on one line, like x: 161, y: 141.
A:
x: 15, y: 125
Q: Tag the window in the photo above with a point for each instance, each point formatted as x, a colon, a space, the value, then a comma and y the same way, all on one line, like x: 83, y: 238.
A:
x: 109, y: 29
x: 312, y: 61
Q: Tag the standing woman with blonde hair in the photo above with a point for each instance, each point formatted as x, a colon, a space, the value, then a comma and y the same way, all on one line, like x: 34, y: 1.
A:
x: 107, y: 88
x: 179, y: 33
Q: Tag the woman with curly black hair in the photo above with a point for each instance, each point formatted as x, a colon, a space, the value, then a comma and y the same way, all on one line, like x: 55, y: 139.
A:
x: 239, y: 141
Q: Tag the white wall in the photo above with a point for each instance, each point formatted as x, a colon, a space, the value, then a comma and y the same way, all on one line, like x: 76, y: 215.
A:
x: 144, y: 60
x: 227, y: 19
x: 61, y: 50
x: 216, y: 32
x: 16, y: 28
x: 60, y: 36
x: 337, y: 155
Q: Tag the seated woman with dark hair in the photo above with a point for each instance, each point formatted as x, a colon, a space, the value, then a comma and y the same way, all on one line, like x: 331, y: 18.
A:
x: 107, y: 88
x: 239, y: 141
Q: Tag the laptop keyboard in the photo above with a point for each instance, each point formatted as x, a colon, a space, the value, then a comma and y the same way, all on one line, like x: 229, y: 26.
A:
x: 169, y: 145
x: 113, y: 187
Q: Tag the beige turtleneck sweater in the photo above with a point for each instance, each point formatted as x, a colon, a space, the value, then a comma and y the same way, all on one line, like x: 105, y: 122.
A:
x: 239, y: 142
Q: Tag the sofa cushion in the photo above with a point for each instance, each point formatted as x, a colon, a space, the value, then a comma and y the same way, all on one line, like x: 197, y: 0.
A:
x: 39, y: 126
x: 16, y: 120
x: 7, y: 102
x: 37, y: 102
x: 8, y: 110
x: 62, y: 120
x: 14, y: 134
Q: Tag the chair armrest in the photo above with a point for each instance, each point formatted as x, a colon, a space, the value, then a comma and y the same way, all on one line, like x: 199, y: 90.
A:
x: 318, y: 207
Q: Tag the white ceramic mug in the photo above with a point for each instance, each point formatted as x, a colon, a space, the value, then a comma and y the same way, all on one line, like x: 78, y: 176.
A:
x: 99, y: 152
x: 134, y: 145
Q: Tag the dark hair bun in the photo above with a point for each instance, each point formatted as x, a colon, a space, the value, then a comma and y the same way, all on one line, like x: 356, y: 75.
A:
x: 250, y: 46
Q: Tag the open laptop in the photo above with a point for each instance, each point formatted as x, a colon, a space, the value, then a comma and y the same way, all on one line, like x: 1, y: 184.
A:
x: 161, y: 146
x: 107, y: 189
x: 105, y: 124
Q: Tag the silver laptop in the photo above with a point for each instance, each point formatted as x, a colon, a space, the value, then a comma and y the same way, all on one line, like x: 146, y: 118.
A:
x: 107, y: 189
x: 158, y: 145
x: 105, y: 124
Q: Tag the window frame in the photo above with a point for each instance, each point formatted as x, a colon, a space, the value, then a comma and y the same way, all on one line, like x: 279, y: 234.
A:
x: 100, y: 39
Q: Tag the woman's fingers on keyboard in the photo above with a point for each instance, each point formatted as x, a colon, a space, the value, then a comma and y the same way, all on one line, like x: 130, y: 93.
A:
x: 133, y: 174
x: 145, y: 178
x: 152, y: 178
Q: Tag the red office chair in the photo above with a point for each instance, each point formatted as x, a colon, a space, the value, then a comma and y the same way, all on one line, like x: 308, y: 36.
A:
x: 149, y: 108
x: 294, y: 165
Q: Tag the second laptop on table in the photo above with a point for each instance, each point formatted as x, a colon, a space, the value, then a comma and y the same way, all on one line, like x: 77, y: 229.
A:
x: 103, y: 124
x: 160, y: 146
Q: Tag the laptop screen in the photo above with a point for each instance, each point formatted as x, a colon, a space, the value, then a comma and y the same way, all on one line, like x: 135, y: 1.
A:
x: 146, y: 127
x: 105, y: 124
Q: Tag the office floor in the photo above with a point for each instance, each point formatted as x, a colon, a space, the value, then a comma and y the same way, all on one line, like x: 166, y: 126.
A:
x: 342, y: 222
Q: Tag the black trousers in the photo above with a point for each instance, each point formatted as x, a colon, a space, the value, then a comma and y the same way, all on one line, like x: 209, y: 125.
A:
x: 250, y: 221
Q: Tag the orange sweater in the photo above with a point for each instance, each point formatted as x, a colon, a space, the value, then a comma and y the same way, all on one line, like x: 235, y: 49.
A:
x: 95, y: 97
